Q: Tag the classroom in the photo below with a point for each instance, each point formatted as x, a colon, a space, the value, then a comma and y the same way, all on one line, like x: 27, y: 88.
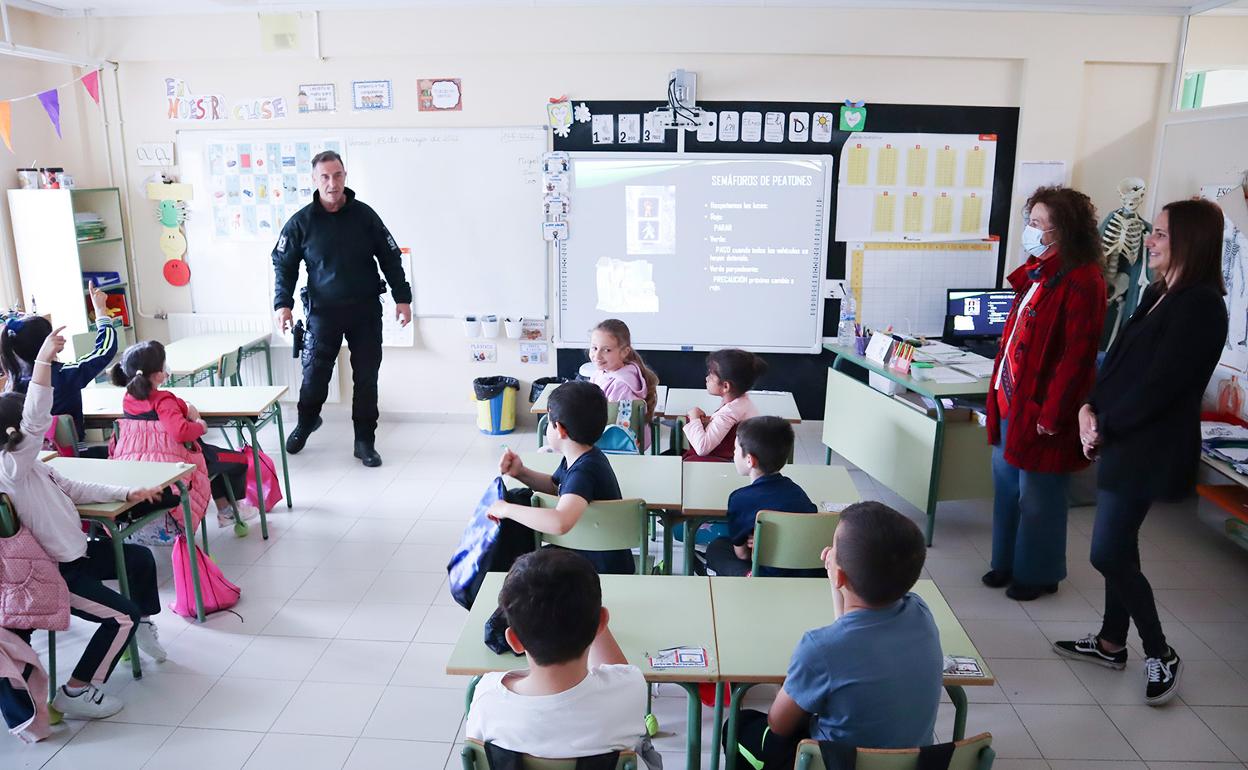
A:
x: 692, y: 384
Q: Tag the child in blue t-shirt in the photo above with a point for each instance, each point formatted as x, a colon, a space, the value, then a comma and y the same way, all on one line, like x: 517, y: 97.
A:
x: 763, y: 445
x: 872, y: 679
x: 577, y: 415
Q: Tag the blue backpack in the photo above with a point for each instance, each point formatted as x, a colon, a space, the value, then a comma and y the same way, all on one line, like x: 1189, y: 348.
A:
x: 486, y: 545
x: 619, y: 438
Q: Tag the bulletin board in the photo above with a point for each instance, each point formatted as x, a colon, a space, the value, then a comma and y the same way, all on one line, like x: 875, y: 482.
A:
x: 805, y: 375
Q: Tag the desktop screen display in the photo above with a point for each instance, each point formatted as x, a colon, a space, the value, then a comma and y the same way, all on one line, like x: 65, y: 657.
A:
x: 978, y: 312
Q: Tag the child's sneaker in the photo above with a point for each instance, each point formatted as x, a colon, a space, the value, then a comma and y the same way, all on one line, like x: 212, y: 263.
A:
x: 1089, y: 648
x: 91, y: 703
x: 1163, y: 678
x: 148, y: 639
x: 225, y: 516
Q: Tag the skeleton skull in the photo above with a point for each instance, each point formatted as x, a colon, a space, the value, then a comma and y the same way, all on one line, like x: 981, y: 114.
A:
x: 1131, y: 190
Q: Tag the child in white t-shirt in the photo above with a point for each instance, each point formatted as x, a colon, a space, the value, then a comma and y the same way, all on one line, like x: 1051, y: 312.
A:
x: 579, y: 696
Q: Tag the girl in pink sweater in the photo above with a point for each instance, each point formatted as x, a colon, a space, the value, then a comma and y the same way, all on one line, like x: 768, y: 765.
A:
x: 730, y: 374
x: 621, y: 373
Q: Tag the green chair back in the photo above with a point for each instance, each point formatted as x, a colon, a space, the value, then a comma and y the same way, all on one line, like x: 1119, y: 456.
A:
x: 8, y: 517
x: 970, y: 754
x: 606, y: 525
x: 792, y: 540
x: 66, y: 434
x: 472, y: 756
x: 228, y: 368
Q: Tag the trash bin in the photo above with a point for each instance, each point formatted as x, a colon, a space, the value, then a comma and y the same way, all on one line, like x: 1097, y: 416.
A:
x: 540, y: 384
x: 496, y: 404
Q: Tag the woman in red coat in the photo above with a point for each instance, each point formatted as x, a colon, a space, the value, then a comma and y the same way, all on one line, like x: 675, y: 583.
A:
x: 1043, y: 373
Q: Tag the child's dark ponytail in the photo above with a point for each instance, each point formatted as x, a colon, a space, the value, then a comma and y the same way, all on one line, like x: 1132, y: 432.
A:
x: 739, y: 367
x: 11, y: 405
x: 137, y: 366
x: 19, y: 345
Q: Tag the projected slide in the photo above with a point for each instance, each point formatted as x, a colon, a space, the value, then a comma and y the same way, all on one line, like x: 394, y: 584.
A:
x: 702, y: 252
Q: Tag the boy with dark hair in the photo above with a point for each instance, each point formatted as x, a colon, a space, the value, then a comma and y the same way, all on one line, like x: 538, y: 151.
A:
x: 872, y: 679
x: 579, y: 696
x: 577, y: 415
x: 762, y: 448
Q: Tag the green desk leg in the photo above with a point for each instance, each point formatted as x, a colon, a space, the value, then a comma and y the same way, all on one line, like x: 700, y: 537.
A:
x: 691, y: 535
x: 669, y: 521
x: 255, y: 457
x: 827, y: 456
x: 958, y: 696
x: 281, y: 438
x: 123, y: 583
x: 188, y: 520
x: 719, y: 716
x: 933, y: 487
x: 54, y: 716
x: 268, y: 359
x: 734, y: 714
x: 693, y: 719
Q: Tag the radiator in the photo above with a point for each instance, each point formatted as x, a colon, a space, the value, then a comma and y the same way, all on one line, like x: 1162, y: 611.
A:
x: 286, y: 370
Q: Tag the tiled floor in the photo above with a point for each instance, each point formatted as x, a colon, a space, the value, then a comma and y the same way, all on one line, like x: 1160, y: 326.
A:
x: 335, y: 658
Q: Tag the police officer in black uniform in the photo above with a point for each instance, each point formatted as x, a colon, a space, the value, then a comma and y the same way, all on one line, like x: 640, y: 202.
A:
x: 342, y: 241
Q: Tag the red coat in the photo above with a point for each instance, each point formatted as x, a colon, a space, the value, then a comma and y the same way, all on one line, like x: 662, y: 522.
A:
x: 1056, y: 347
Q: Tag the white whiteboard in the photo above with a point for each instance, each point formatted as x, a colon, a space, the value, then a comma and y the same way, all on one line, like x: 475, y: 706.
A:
x: 466, y: 201
x: 697, y: 251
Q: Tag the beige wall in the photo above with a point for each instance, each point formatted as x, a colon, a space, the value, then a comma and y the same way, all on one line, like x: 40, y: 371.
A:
x: 1216, y: 43
x: 1064, y: 71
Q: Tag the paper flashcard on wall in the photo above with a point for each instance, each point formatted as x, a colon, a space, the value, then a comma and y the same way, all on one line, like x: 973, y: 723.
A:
x: 534, y: 352
x: 821, y: 127
x: 729, y: 126
x: 773, y: 127
x: 751, y: 126
x: 555, y: 231
x: 708, y: 127
x: 799, y: 126
x: 651, y: 130
x: 559, y: 115
x: 371, y: 95
x: 604, y: 129
x: 440, y: 94
x: 555, y: 206
x: 630, y: 129
x: 556, y: 163
x: 483, y: 352
x: 556, y: 184
x: 532, y: 329
x: 317, y: 97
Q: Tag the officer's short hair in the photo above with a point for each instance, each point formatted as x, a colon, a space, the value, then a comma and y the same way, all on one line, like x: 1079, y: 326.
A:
x: 326, y: 157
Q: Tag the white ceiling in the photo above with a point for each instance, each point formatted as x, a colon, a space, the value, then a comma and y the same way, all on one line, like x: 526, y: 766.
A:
x: 163, y: 7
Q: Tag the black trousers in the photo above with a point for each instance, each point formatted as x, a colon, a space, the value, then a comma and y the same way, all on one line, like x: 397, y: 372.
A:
x: 360, y: 325
x: 721, y: 557
x: 1116, y: 555
x: 757, y: 746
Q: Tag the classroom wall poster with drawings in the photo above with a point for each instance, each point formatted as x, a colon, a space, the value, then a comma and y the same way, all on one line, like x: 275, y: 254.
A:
x: 1227, y: 388
x: 256, y: 187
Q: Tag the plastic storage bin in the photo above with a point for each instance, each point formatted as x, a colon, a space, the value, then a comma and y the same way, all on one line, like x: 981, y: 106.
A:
x: 496, y: 404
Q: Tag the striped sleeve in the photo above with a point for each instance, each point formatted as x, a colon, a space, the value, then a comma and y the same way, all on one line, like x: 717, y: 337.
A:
x: 83, y: 371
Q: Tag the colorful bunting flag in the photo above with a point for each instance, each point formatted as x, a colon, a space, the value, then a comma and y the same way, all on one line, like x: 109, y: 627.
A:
x: 6, y: 124
x: 52, y: 104
x: 91, y: 81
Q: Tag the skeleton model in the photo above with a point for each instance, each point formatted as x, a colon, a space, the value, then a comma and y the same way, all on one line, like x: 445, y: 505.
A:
x: 1122, y: 238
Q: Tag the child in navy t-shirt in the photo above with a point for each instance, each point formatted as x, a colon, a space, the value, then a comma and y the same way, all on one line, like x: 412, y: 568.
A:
x: 577, y: 413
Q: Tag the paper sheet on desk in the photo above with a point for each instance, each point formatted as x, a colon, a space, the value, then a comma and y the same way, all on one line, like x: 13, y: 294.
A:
x: 1210, y: 429
x: 977, y: 369
x: 941, y: 374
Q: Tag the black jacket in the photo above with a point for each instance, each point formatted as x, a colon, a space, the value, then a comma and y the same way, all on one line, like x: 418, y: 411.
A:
x: 1148, y: 392
x: 339, y: 250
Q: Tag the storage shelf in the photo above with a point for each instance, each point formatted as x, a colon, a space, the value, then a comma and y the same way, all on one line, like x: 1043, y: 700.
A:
x: 85, y: 241
x: 110, y: 287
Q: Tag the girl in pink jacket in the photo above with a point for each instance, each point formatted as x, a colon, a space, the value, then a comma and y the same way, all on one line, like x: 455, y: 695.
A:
x: 730, y: 374
x: 621, y: 373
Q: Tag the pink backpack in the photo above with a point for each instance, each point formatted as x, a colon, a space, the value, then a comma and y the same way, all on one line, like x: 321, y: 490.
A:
x: 218, y: 592
x: 268, y: 474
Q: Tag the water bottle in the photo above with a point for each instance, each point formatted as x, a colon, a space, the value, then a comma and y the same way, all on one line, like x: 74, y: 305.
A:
x: 849, y: 316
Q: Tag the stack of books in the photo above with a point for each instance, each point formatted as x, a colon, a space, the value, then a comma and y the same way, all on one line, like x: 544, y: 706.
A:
x: 89, y: 226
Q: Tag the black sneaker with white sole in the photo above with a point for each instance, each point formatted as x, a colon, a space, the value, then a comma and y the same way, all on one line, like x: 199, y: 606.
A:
x: 1089, y: 648
x: 1163, y: 678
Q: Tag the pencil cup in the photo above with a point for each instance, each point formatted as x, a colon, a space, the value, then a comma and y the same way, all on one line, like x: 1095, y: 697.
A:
x: 513, y: 327
x: 860, y: 345
x: 472, y: 327
x: 490, y: 327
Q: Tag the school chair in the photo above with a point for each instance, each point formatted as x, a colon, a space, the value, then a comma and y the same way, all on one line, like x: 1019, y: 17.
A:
x: 9, y: 526
x: 473, y: 757
x: 606, y: 525
x: 638, y: 420
x: 792, y: 540
x: 970, y: 754
x: 228, y: 369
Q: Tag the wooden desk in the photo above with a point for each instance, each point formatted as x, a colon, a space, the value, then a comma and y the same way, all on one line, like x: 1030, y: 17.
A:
x: 539, y: 406
x: 246, y: 406
x: 757, y: 634
x: 648, y: 613
x: 191, y: 356
x: 771, y: 403
x: 47, y: 454
x: 924, y: 459
x: 127, y: 474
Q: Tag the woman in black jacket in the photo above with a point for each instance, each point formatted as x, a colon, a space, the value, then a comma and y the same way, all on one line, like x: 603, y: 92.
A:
x: 1142, y: 424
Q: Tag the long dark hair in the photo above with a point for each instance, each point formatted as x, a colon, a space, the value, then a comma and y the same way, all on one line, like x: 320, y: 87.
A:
x: 1195, y: 245
x: 1073, y: 216
x: 138, y: 364
x: 11, y: 406
x: 739, y: 367
x: 19, y: 345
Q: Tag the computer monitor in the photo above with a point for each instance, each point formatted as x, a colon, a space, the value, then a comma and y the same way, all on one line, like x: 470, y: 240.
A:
x: 977, y: 313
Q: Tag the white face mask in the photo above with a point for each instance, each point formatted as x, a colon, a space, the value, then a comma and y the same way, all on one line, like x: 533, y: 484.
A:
x: 1032, y: 244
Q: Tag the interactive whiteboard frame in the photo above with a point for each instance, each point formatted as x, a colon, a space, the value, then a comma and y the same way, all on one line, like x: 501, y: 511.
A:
x: 829, y: 204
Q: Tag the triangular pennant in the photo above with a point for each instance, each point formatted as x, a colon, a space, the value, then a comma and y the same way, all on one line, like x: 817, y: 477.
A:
x: 6, y: 124
x: 52, y: 104
x: 91, y: 82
